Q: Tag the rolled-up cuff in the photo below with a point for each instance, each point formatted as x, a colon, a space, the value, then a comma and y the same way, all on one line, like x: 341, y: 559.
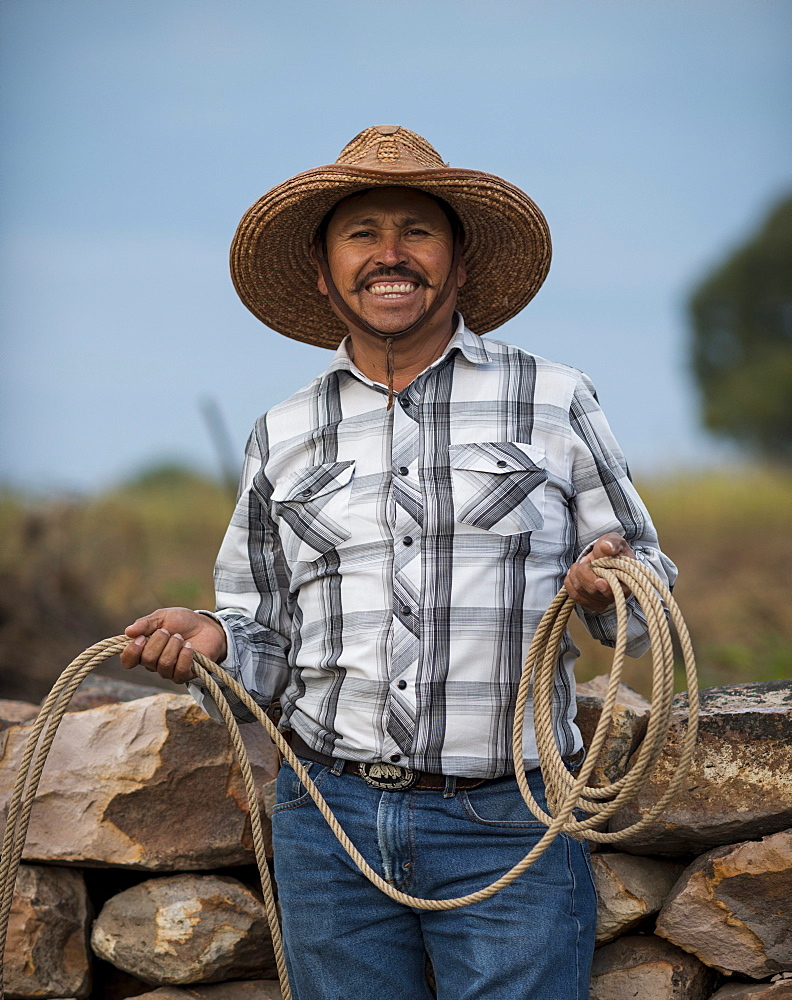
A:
x: 230, y: 663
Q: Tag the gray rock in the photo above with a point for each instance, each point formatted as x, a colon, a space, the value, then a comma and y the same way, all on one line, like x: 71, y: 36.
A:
x: 268, y: 796
x: 96, y: 690
x: 649, y: 968
x: 150, y: 784
x: 110, y: 983
x: 755, y: 991
x: 731, y: 908
x: 628, y: 724
x: 740, y: 782
x: 629, y: 889
x: 13, y: 712
x: 185, y: 929
x: 47, y: 945
x: 260, y: 989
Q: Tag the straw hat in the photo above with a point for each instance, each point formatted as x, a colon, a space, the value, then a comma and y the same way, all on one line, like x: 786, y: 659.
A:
x: 506, y: 250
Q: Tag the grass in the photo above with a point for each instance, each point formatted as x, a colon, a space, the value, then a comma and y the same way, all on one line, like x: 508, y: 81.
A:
x: 75, y: 571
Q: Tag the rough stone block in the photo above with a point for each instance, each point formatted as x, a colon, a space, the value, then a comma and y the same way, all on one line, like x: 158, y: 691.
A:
x: 627, y: 726
x: 755, y: 991
x: 260, y: 989
x: 731, y: 907
x: 110, y: 983
x: 268, y: 796
x: 649, y: 968
x: 96, y: 690
x: 740, y: 783
x: 185, y: 929
x: 629, y: 889
x: 47, y: 945
x: 13, y: 712
x: 150, y: 784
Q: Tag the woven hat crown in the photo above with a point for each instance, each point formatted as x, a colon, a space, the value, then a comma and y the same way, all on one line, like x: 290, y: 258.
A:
x: 391, y: 147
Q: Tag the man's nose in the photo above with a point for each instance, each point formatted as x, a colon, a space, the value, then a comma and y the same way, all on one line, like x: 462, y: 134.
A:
x: 391, y: 251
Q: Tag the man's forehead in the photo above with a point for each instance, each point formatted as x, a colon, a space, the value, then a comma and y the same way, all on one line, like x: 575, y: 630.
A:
x: 363, y: 207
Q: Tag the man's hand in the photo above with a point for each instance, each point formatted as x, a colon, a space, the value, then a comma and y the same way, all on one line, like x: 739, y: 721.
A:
x: 584, y: 586
x: 165, y: 640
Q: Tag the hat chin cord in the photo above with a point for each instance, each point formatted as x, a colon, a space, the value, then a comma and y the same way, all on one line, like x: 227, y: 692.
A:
x: 359, y: 323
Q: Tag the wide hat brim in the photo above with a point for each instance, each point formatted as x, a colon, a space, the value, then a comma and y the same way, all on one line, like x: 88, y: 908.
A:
x: 507, y: 246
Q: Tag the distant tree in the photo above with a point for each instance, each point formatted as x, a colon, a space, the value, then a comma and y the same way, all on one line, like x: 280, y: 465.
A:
x: 741, y: 316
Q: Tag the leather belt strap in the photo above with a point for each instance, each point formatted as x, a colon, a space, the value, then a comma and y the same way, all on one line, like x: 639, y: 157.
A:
x: 424, y: 780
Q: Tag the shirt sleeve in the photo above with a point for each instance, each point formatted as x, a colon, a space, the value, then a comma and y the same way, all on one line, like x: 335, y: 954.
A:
x: 605, y: 501
x: 251, y: 586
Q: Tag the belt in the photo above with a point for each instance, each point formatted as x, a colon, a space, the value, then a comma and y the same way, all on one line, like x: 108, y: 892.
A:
x: 381, y: 774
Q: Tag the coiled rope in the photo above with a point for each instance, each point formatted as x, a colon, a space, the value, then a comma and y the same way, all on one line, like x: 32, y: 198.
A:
x: 565, y: 793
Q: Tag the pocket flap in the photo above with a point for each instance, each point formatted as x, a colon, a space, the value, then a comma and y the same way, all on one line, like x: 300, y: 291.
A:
x: 496, y: 456
x: 313, y: 481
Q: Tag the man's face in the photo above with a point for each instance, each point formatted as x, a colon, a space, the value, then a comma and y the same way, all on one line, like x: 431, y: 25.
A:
x: 389, y: 252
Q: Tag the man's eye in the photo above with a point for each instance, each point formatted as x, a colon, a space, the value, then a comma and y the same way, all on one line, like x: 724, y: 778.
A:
x: 360, y: 233
x: 416, y: 232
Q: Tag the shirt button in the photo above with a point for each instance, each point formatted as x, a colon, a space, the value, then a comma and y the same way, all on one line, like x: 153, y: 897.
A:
x: 407, y: 540
x: 403, y: 470
x: 395, y: 757
x: 305, y: 493
x: 405, y: 400
x: 401, y: 685
x: 406, y: 611
x: 501, y: 464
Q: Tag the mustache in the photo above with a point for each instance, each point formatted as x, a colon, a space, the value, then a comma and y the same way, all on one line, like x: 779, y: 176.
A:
x: 397, y: 271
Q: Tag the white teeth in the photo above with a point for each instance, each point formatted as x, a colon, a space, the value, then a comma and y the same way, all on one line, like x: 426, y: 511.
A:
x: 391, y: 290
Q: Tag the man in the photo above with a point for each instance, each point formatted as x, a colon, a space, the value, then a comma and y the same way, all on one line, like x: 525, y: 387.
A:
x: 403, y: 522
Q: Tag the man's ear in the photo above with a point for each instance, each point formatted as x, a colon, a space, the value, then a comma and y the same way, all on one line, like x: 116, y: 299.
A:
x: 320, y: 282
x: 461, y: 273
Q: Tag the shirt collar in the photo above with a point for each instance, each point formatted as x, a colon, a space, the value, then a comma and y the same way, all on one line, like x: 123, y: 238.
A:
x: 469, y: 344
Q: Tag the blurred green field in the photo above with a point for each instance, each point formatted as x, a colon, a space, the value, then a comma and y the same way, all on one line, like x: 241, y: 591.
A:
x: 75, y: 571
x: 730, y: 534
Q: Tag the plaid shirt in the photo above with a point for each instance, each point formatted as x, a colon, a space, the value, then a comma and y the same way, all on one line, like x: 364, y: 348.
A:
x: 384, y: 571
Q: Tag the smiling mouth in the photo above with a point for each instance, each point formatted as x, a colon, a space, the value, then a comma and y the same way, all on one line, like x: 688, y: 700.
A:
x: 392, y: 289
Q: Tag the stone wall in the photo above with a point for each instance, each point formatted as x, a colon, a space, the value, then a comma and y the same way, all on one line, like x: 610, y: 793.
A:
x: 139, y: 878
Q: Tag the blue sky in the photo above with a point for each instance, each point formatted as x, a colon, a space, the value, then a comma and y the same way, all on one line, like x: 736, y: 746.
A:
x: 654, y: 136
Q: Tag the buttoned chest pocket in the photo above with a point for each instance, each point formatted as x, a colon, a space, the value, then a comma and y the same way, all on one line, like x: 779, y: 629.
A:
x: 498, y: 485
x: 311, y: 507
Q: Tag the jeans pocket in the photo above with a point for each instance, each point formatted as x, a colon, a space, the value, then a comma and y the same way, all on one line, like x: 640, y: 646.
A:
x: 291, y: 793
x: 500, y: 804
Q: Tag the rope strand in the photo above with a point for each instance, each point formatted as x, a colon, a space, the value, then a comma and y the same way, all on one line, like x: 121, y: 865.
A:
x: 565, y: 792
x: 391, y: 369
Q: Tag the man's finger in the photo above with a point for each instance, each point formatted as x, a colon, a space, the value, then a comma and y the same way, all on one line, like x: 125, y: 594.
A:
x: 142, y: 626
x: 166, y: 662
x: 605, y: 546
x: 612, y: 544
x: 130, y: 655
x: 585, y: 587
x: 157, y: 641
x: 183, y: 671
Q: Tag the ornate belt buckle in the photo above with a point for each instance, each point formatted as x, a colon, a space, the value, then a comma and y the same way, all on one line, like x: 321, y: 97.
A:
x: 388, y: 777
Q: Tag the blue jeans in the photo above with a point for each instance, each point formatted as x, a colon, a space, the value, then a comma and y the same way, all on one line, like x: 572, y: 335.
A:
x: 345, y: 940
